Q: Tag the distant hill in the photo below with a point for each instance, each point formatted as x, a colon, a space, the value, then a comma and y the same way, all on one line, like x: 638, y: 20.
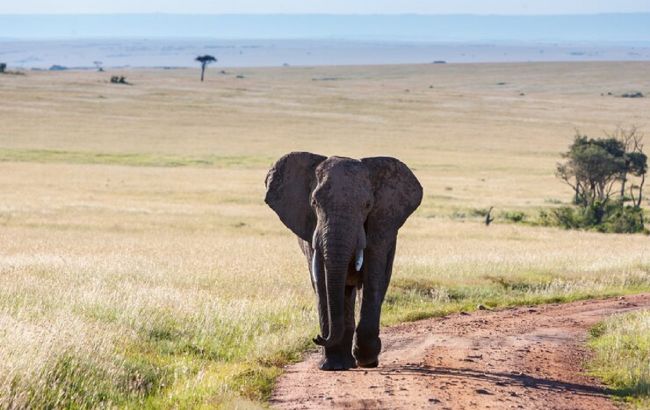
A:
x: 628, y: 28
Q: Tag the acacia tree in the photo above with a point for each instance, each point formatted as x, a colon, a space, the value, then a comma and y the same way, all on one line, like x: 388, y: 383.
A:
x: 635, y: 162
x: 205, y: 61
x: 593, y: 167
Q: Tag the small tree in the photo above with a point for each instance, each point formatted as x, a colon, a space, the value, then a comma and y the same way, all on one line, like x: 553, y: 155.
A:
x: 635, y: 161
x: 99, y: 65
x: 205, y: 61
x: 593, y: 168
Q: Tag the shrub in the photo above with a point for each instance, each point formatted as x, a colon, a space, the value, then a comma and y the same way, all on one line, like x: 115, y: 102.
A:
x: 514, y: 216
x: 119, y: 80
x: 626, y: 219
x: 613, y: 218
x: 565, y: 217
x: 634, y: 94
x: 480, y: 212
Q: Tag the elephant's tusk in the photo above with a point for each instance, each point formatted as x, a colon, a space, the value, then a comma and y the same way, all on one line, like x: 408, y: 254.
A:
x: 314, y: 240
x: 361, y: 245
x: 314, y: 269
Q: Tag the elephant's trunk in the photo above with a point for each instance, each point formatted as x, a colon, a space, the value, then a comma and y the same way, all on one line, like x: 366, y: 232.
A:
x: 337, y: 254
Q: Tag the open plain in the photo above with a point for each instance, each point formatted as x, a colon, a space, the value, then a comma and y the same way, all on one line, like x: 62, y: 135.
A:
x: 139, y: 266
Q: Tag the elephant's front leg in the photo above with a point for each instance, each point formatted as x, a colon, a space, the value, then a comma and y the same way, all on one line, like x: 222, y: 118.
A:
x: 375, y: 283
x: 340, y: 357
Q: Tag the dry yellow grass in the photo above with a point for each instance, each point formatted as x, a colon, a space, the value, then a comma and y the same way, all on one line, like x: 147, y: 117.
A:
x: 135, y: 246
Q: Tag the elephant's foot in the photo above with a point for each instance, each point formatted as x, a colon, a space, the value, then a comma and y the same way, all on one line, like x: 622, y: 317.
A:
x: 338, y: 362
x: 369, y: 365
x: 367, y: 361
x: 367, y: 353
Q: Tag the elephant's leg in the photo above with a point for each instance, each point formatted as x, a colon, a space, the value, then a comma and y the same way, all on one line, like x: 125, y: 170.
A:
x: 367, y: 342
x: 340, y: 357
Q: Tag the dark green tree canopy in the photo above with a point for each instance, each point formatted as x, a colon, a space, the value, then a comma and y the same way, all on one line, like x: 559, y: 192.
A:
x: 599, y: 169
x: 205, y: 60
x: 593, y: 166
x: 638, y: 163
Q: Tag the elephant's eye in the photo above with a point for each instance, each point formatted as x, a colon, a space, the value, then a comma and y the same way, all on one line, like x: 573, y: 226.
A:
x: 368, y: 205
x: 313, y: 202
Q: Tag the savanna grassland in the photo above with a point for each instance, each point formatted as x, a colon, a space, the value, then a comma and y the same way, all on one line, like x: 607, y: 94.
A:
x: 139, y: 266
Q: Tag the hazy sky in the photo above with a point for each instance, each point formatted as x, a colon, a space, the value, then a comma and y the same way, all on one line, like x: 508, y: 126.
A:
x: 327, y: 6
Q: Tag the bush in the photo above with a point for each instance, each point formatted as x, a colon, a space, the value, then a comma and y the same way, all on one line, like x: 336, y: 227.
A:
x: 634, y: 94
x: 119, y: 80
x: 626, y: 219
x: 480, y: 212
x: 613, y: 218
x: 514, y: 216
x: 565, y: 217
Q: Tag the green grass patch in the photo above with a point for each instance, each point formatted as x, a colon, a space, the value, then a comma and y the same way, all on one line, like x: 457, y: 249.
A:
x: 214, y: 363
x: 76, y: 382
x: 131, y: 159
x: 621, y: 346
x: 411, y: 299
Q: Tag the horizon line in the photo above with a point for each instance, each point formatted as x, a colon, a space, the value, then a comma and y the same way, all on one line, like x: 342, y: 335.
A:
x: 326, y: 14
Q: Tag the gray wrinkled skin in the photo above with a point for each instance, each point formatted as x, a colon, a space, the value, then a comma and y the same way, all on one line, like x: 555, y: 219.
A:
x: 346, y: 214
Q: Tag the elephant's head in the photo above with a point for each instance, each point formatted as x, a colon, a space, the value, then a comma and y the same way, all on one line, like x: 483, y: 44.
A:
x: 340, y: 206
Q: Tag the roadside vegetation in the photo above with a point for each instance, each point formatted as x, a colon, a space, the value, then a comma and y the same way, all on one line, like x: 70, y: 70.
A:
x: 621, y: 347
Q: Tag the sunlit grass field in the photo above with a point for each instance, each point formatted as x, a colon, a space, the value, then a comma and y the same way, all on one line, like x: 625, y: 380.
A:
x: 139, y: 266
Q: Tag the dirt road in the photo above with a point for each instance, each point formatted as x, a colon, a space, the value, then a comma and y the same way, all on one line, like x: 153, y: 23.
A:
x: 527, y: 358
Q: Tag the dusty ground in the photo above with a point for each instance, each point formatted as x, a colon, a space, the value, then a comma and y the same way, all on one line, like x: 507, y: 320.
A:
x: 529, y: 358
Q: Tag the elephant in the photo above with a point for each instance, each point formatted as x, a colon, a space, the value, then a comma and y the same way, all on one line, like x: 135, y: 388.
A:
x: 346, y: 214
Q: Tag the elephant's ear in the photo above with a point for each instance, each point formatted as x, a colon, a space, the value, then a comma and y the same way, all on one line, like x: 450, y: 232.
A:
x: 288, y: 187
x: 397, y: 194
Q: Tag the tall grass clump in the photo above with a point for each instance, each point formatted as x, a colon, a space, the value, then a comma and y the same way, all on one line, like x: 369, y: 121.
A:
x: 622, y: 355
